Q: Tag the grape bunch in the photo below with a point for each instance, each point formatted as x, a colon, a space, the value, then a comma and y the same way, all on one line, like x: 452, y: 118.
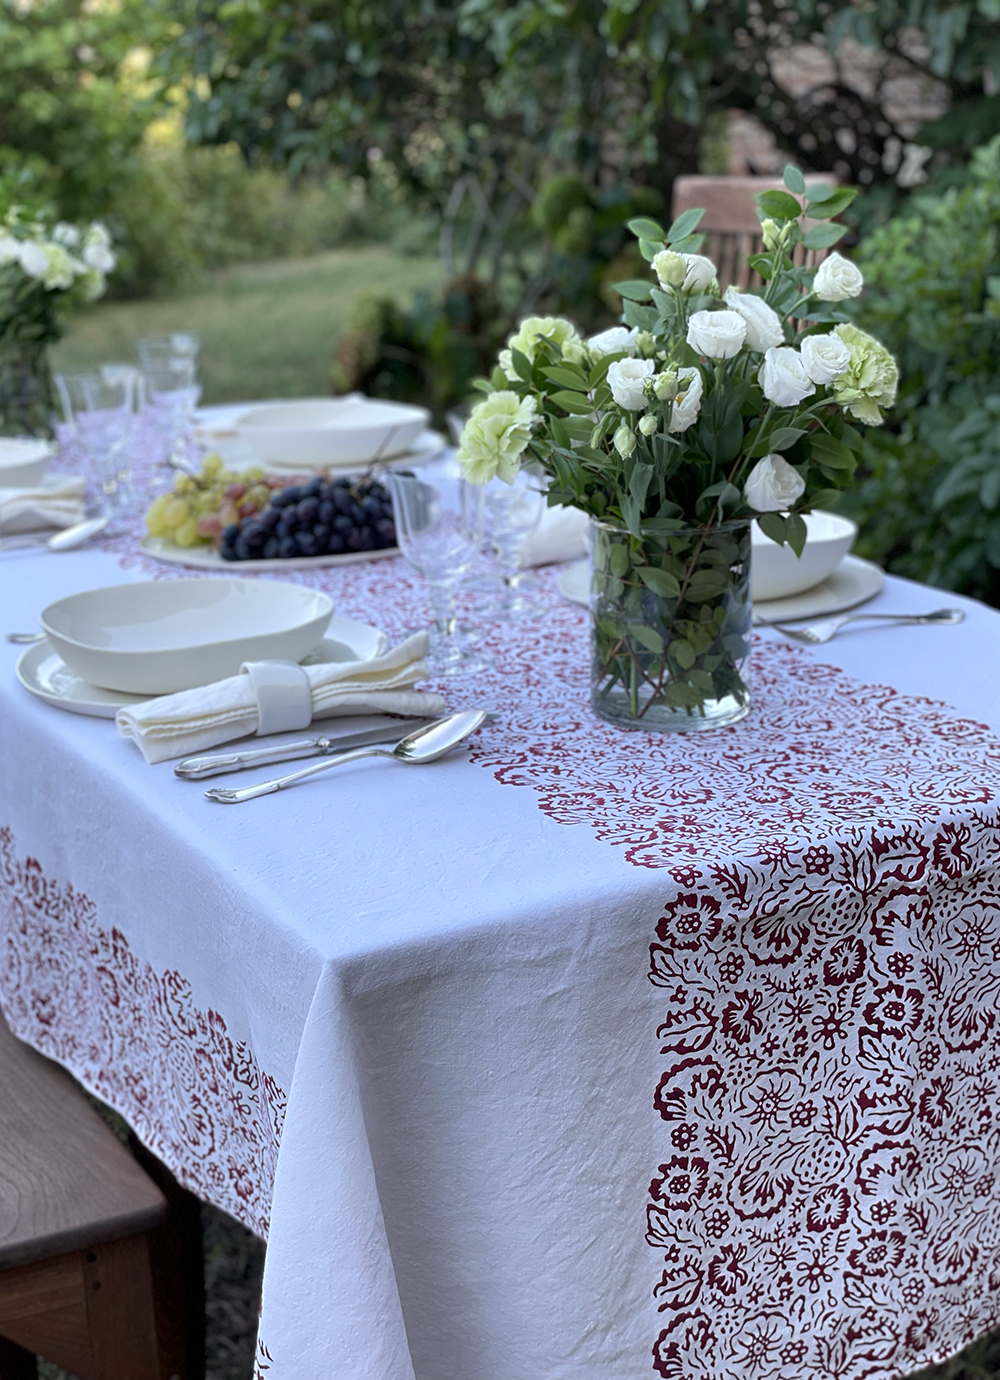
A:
x: 201, y: 505
x: 320, y: 518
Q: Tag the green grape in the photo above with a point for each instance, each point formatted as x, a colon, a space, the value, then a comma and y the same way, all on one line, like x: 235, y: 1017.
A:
x: 187, y: 533
x: 155, y: 525
x: 176, y: 512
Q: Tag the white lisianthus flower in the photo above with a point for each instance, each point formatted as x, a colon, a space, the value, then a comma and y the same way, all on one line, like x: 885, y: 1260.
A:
x: 717, y: 334
x: 66, y: 235
x: 648, y: 424
x: 773, y: 486
x: 783, y: 377
x: 763, y: 322
x: 645, y: 344
x: 825, y: 357
x: 687, y: 403
x: 701, y: 274
x: 627, y: 379
x: 624, y: 441
x: 526, y: 339
x: 870, y: 380
x: 837, y: 278
x: 665, y: 385
x: 10, y: 250
x: 616, y: 340
x: 93, y: 284
x: 495, y: 437
x: 772, y: 234
x: 33, y: 258
x: 670, y: 267
x: 61, y: 268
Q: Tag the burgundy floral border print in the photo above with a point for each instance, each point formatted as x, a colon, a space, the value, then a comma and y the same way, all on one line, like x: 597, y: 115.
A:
x: 134, y: 1037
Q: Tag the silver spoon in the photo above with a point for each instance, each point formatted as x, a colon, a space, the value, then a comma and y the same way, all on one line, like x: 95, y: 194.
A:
x: 66, y: 540
x: 25, y: 639
x: 425, y: 745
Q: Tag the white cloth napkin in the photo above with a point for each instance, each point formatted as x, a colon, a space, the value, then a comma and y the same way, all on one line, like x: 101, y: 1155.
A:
x: 560, y: 536
x: 193, y: 720
x: 58, y: 503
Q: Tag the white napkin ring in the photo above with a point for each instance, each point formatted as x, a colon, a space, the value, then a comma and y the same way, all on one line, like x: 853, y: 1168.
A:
x: 283, y: 695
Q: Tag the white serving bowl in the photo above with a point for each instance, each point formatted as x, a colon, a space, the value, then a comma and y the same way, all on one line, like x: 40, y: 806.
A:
x: 23, y: 461
x: 331, y: 432
x: 153, y: 637
x: 776, y: 571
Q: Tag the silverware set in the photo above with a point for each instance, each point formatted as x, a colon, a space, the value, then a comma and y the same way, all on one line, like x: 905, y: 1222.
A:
x: 815, y: 634
x: 68, y: 539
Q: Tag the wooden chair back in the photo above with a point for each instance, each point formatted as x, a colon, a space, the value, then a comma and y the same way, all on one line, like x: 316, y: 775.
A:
x: 731, y: 223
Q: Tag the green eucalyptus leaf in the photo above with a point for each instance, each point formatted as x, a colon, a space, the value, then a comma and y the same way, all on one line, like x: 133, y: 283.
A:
x: 706, y: 584
x: 795, y: 532
x: 567, y: 376
x: 572, y: 402
x: 661, y: 582
x: 618, y: 560
x: 499, y: 379
x: 784, y: 437
x: 779, y: 205
x: 682, y: 652
x: 823, y: 236
x: 643, y: 228
x: 773, y: 526
x: 685, y: 223
x: 649, y: 249
x: 793, y: 179
x: 832, y: 454
x: 522, y: 365
x: 649, y: 637
x: 828, y: 207
x: 634, y: 289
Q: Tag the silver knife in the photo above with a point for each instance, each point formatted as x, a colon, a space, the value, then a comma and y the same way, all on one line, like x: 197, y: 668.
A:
x: 197, y: 768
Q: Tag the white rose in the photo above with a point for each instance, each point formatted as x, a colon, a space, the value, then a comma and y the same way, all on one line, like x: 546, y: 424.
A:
x: 773, y: 486
x: 624, y: 441
x: 763, y: 322
x: 670, y: 267
x: 717, y: 334
x: 66, y: 235
x: 10, y: 250
x: 837, y: 278
x: 701, y: 273
x: 99, y: 257
x: 783, y: 377
x: 33, y: 258
x: 687, y: 403
x: 616, y: 340
x: 825, y: 357
x: 627, y: 379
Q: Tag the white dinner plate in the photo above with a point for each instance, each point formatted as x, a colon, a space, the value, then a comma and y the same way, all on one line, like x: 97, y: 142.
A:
x: 208, y: 558
x: 854, y: 582
x: 42, y: 671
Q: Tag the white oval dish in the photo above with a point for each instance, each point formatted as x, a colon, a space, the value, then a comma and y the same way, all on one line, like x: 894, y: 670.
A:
x: 207, y: 558
x: 23, y: 461
x: 776, y: 572
x: 331, y: 432
x: 153, y: 637
x: 44, y: 674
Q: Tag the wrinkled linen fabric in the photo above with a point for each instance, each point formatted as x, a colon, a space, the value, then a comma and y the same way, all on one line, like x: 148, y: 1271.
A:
x: 192, y: 720
x: 56, y: 504
x: 585, y: 1054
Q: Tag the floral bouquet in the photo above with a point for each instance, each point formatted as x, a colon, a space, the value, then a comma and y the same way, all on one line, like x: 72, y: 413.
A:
x: 43, y: 269
x: 674, y: 430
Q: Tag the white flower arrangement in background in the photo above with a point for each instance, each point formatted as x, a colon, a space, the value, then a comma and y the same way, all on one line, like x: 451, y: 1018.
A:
x: 44, y: 267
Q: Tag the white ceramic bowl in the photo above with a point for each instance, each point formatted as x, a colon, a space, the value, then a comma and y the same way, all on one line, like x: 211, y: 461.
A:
x: 153, y: 637
x: 23, y: 462
x: 776, y: 571
x: 334, y: 432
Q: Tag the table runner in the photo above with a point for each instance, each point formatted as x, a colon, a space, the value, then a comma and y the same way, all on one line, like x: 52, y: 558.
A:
x: 807, y: 1074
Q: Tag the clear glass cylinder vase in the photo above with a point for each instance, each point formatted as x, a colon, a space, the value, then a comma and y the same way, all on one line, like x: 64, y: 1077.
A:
x: 670, y: 635
x: 27, y: 398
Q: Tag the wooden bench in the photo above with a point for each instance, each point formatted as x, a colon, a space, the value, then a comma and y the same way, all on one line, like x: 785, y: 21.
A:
x: 89, y: 1274
x: 731, y: 224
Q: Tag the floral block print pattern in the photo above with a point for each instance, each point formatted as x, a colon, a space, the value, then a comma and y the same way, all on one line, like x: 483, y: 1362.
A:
x: 75, y: 991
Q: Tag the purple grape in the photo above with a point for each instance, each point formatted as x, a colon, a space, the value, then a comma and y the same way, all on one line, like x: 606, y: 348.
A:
x: 307, y: 509
x: 272, y: 548
x: 287, y: 547
x: 326, y: 510
x: 306, y: 543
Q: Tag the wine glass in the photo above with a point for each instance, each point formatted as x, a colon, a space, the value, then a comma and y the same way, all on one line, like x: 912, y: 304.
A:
x: 170, y: 371
x: 439, y: 521
x: 99, y: 407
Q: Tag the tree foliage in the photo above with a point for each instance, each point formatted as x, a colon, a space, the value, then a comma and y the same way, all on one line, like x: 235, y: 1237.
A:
x: 617, y: 89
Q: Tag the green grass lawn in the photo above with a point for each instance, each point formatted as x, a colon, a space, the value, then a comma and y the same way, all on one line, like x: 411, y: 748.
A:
x: 267, y: 329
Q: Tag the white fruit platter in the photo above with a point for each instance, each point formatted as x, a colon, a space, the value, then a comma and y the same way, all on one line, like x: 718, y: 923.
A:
x: 208, y: 558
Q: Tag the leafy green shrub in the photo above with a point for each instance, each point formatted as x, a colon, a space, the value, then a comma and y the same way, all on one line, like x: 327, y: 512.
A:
x: 929, y: 497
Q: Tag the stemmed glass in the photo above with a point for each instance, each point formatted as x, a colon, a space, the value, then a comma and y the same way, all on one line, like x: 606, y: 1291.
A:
x: 439, y: 525
x: 99, y: 407
x: 170, y: 368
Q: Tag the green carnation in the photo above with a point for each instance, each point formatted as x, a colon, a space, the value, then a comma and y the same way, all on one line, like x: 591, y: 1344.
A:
x: 869, y: 381
x: 495, y: 437
x: 528, y: 339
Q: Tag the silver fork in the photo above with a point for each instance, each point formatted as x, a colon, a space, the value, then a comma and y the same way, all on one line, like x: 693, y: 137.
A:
x: 817, y: 633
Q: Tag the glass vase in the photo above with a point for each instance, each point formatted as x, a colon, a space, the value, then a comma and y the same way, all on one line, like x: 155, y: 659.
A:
x: 670, y: 635
x: 27, y: 399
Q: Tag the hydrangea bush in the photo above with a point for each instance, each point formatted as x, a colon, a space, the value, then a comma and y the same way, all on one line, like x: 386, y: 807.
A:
x: 702, y: 410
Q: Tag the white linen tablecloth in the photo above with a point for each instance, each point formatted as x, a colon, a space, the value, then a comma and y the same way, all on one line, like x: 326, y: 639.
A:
x: 400, y: 1021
